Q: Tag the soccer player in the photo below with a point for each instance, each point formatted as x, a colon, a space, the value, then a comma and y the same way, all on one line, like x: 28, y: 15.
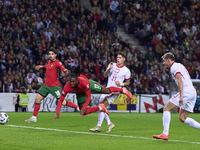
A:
x: 83, y: 89
x: 117, y: 73
x: 185, y: 98
x: 51, y: 85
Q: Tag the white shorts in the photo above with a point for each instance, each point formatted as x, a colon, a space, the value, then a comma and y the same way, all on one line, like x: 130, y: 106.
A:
x: 110, y: 97
x: 189, y: 99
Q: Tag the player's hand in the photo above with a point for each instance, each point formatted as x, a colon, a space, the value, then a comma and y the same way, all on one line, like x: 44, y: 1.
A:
x: 82, y: 112
x: 181, y: 101
x: 66, y: 72
x: 38, y: 67
x: 117, y: 83
x: 111, y: 65
x: 56, y: 117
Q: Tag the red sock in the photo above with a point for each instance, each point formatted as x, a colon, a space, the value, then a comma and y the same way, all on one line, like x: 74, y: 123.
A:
x: 70, y: 104
x: 91, y: 110
x: 115, y: 89
x: 36, y: 109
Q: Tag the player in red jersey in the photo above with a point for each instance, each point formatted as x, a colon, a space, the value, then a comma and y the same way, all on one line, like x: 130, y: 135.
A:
x: 83, y: 89
x: 51, y: 85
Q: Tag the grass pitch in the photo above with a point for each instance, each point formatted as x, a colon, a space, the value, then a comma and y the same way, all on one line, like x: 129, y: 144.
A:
x: 71, y: 132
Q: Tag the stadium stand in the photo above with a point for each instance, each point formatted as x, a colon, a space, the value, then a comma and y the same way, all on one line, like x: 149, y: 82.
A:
x: 88, y: 38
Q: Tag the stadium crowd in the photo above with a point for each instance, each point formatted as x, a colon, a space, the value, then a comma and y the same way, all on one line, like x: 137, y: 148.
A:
x: 29, y: 28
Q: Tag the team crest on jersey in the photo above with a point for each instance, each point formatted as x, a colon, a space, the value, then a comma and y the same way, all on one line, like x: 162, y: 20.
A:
x: 117, y: 70
x: 88, y: 86
x: 63, y: 92
x: 51, y: 65
x: 60, y: 63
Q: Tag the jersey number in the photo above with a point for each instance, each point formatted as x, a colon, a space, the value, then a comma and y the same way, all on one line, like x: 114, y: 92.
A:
x: 57, y: 93
x: 114, y: 78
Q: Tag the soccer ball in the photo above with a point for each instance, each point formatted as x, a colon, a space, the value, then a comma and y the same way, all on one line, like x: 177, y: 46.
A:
x: 3, y: 118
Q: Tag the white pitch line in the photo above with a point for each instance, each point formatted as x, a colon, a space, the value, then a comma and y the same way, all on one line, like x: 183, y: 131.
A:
x: 91, y: 133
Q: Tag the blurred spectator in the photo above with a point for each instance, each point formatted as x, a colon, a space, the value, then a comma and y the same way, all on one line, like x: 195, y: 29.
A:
x: 150, y: 56
x: 196, y: 107
x: 111, y: 26
x: 87, y: 74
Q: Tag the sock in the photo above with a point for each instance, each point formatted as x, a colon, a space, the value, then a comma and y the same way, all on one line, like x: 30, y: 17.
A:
x: 115, y: 89
x: 91, y: 110
x: 107, y: 119
x: 100, y: 118
x: 36, y: 109
x: 192, y: 123
x: 70, y: 104
x: 166, y: 122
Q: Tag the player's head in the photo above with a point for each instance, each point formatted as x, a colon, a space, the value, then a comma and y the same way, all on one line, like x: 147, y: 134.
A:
x: 121, y: 57
x: 74, y: 76
x: 168, y: 59
x: 52, y: 54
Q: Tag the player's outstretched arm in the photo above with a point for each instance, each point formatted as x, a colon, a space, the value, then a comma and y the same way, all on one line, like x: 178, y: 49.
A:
x: 59, y: 107
x: 38, y: 67
x: 83, y: 109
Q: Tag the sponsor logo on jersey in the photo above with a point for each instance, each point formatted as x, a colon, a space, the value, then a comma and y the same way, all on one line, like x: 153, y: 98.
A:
x: 88, y: 86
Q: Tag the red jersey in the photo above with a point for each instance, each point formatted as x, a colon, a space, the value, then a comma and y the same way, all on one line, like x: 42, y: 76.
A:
x: 82, y: 88
x: 52, y: 72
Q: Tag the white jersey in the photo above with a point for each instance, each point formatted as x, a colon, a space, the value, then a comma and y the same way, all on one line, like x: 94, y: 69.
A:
x: 118, y: 74
x: 179, y: 68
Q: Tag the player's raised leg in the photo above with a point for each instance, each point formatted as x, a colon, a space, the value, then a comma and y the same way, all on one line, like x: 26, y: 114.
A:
x: 183, y: 117
x: 70, y: 104
x: 116, y: 90
x: 38, y: 100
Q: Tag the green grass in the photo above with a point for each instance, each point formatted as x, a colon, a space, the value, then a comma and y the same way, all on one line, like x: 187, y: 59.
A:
x: 132, y: 131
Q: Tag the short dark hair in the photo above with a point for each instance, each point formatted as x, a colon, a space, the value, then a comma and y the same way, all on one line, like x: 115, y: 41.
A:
x: 75, y: 72
x: 122, y: 54
x: 168, y: 55
x: 53, y: 50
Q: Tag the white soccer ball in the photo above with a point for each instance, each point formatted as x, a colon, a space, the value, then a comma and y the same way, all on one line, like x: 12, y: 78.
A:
x: 3, y: 118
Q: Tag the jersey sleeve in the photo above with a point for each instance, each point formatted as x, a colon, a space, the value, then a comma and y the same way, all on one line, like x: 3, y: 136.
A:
x: 44, y: 66
x: 174, y: 70
x: 85, y: 84
x: 61, y: 67
x: 128, y: 75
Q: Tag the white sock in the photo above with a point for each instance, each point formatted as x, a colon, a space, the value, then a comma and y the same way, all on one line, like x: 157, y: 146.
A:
x: 107, y: 119
x: 100, y: 108
x: 34, y: 117
x: 77, y: 109
x: 100, y: 118
x: 192, y: 123
x: 166, y: 122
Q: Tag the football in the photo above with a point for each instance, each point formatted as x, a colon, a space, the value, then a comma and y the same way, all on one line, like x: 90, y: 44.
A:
x: 3, y: 118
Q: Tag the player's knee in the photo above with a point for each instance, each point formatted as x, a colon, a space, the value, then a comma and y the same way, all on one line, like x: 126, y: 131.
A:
x: 64, y: 102
x: 37, y: 100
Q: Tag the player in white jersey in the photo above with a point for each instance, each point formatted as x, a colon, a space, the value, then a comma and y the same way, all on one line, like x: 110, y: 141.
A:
x: 117, y: 73
x: 185, y: 98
